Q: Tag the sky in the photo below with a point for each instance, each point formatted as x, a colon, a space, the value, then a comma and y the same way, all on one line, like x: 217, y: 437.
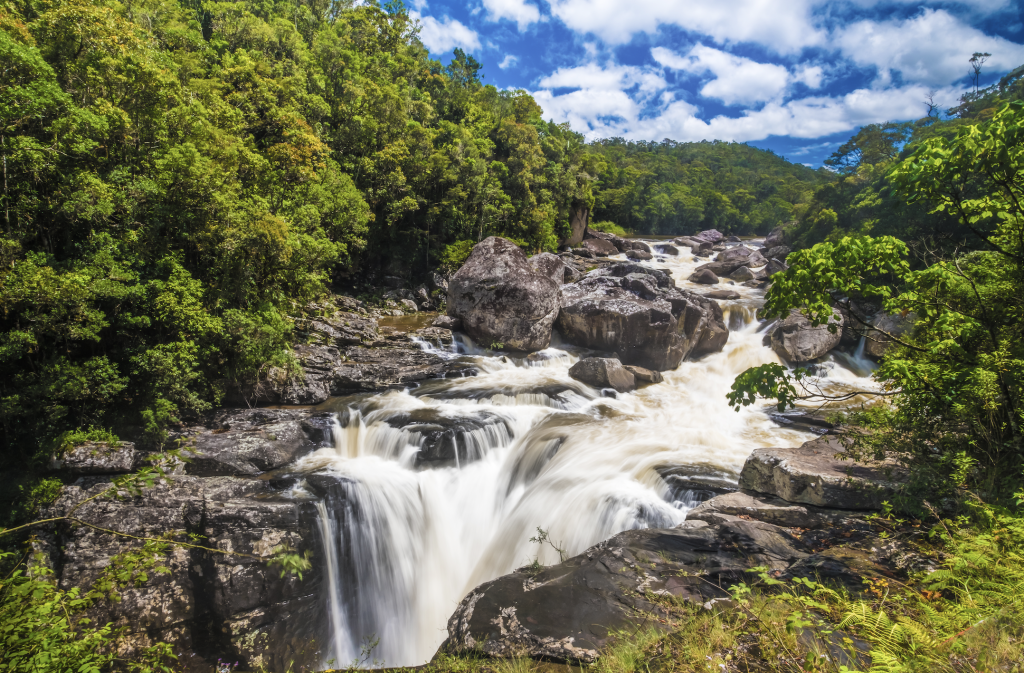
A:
x: 794, y: 76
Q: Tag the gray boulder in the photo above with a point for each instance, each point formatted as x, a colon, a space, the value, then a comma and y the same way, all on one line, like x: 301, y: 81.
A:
x: 571, y: 611
x: 711, y: 235
x: 774, y: 266
x: 811, y: 474
x: 721, y: 295
x: 779, y: 252
x: 500, y: 297
x: 766, y: 508
x: 745, y: 273
x: 737, y: 254
x: 638, y: 313
x: 598, y: 247
x: 445, y: 439
x: 695, y: 244
x: 639, y: 254
x: 98, y: 458
x: 550, y: 265
x: 756, y: 260
x: 795, y: 340
x: 776, y: 238
x: 447, y: 322
x: 704, y: 277
x: 666, y: 249
x: 603, y: 373
x: 578, y: 221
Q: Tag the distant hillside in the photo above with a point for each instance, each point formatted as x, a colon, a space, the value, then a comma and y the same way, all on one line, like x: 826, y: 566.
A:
x: 679, y: 188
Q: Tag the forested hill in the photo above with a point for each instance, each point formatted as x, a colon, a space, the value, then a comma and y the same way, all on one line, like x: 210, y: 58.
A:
x: 182, y: 178
x: 681, y: 188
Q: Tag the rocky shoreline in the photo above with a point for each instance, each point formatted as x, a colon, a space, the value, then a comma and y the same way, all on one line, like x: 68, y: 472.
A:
x: 235, y: 495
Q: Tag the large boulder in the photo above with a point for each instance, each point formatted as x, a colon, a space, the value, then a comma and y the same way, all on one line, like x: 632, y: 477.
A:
x: 795, y: 340
x: 704, y: 277
x: 598, y: 247
x: 445, y: 439
x: 637, y: 313
x: 666, y: 249
x: 550, y: 265
x: 571, y: 611
x: 501, y: 298
x: 779, y: 252
x: 774, y: 266
x: 737, y: 254
x: 604, y: 373
x: 813, y: 475
x: 776, y: 238
x: 578, y: 220
x: 695, y: 244
x: 711, y: 235
x: 639, y: 254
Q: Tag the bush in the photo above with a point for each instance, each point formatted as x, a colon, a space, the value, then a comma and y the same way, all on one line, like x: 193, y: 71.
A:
x: 608, y: 228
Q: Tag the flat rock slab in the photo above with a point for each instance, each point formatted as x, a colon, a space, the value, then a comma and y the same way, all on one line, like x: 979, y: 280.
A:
x: 764, y: 508
x: 811, y: 474
x: 572, y: 610
x: 99, y: 458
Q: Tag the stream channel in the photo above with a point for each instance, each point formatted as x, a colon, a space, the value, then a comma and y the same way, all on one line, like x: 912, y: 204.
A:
x: 405, y: 541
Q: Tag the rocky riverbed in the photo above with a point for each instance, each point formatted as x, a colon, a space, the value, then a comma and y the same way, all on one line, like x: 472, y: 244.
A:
x: 581, y: 393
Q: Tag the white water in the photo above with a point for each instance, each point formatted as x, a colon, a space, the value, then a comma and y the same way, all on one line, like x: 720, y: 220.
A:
x: 409, y: 543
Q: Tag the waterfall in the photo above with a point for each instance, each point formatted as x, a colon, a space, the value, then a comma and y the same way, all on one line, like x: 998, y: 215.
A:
x: 428, y: 492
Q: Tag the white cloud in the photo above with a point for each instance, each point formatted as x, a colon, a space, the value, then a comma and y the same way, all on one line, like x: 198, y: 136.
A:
x: 508, y: 61
x: 446, y: 34
x: 931, y: 48
x: 612, y: 77
x: 785, y: 26
x: 614, y: 113
x: 514, y: 10
x: 737, y: 80
x: 418, y: 5
x: 811, y: 76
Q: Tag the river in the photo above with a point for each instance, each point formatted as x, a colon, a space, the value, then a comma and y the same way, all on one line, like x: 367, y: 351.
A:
x: 404, y: 544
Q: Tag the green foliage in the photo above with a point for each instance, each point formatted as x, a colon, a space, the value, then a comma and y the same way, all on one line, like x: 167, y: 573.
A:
x: 608, y: 228
x: 954, y: 379
x: 455, y: 255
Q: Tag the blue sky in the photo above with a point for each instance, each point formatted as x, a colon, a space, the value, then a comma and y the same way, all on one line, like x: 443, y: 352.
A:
x: 794, y: 76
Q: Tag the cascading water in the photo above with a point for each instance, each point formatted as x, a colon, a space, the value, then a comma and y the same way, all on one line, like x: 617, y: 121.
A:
x: 433, y: 490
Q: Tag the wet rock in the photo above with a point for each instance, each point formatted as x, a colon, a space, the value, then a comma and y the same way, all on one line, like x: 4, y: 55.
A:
x: 639, y: 254
x: 756, y: 260
x: 574, y: 270
x: 692, y: 484
x: 722, y: 295
x: 651, y: 324
x: 500, y: 297
x: 447, y: 322
x: 248, y: 442
x: 643, y: 375
x: 812, y: 474
x: 666, y: 249
x: 437, y: 336
x: 764, y: 508
x: 704, y: 277
x: 409, y: 305
x: 812, y: 421
x: 571, y: 611
x: 626, y: 244
x: 720, y: 269
x: 695, y: 244
x: 598, y: 247
x: 733, y: 239
x: 604, y: 373
x: 339, y: 330
x: 550, y: 265
x: 378, y: 369
x: 445, y: 440
x: 795, y: 340
x: 98, y: 458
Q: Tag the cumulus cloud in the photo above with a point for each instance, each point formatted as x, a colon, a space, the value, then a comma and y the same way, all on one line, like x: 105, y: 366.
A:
x: 737, y: 80
x: 931, y: 48
x: 446, y: 34
x: 508, y: 61
x: 610, y: 77
x: 785, y: 26
x: 519, y: 11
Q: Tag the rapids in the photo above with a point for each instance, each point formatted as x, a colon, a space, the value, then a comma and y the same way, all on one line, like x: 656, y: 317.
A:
x: 404, y: 542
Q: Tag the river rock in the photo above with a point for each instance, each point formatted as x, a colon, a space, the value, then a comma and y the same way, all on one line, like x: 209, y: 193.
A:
x: 768, y: 509
x: 598, y: 247
x: 637, y: 313
x: 644, y: 375
x: 438, y: 281
x: 550, y: 265
x: 500, y: 297
x: 756, y: 260
x: 444, y: 440
x: 98, y: 458
x: 571, y: 611
x: 695, y: 244
x: 745, y: 273
x: 733, y: 239
x: 795, y: 340
x: 711, y: 235
x: 776, y: 238
x: 704, y: 277
x: 812, y: 474
x: 666, y: 249
x: 639, y: 254
x: 779, y: 252
x: 774, y: 266
x: 722, y: 295
x: 248, y: 442
x: 339, y: 330
x: 604, y: 373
